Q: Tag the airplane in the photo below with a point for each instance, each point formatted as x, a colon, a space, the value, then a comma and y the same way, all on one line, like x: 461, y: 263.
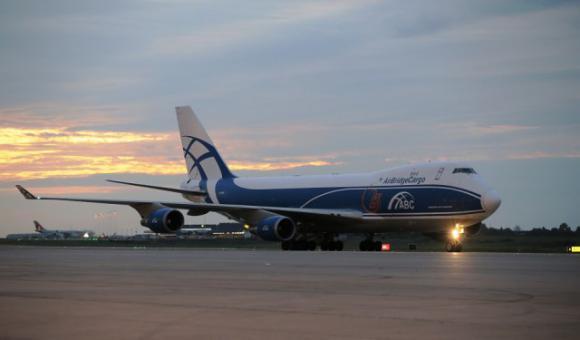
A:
x: 29, y: 236
x: 62, y: 234
x: 445, y: 200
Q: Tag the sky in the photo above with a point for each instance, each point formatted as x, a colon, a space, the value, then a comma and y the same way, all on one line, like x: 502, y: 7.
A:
x: 88, y: 90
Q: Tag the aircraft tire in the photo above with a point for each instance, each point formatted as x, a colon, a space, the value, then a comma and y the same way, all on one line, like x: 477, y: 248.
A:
x: 339, y: 246
x: 377, y: 245
x: 448, y: 247
x: 453, y: 247
x: 363, y: 246
x: 331, y: 246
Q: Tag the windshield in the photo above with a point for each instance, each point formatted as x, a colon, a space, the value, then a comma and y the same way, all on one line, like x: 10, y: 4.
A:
x: 464, y: 171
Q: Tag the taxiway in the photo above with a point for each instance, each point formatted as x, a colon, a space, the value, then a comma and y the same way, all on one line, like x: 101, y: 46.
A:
x: 70, y: 293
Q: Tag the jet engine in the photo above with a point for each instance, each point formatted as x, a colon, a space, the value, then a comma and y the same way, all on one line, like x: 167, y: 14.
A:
x: 276, y: 228
x: 164, y: 221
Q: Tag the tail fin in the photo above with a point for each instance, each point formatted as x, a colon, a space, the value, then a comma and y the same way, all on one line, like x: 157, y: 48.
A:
x: 38, y: 227
x: 201, y: 157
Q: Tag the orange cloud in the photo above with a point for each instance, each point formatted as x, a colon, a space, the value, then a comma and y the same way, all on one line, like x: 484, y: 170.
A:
x: 40, y: 153
x: 26, y: 136
x: 266, y: 166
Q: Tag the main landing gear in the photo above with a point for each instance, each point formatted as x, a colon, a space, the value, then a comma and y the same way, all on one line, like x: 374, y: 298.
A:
x: 326, y: 243
x: 331, y: 245
x: 370, y: 245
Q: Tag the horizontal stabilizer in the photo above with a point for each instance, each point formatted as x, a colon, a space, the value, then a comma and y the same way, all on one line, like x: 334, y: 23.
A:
x: 177, y: 190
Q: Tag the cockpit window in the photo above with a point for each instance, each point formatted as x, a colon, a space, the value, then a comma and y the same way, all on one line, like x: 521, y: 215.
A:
x: 464, y: 171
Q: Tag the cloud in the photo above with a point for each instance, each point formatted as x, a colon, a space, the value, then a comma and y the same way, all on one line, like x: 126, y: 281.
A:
x: 100, y: 82
x: 63, y: 115
x: 478, y: 129
x: 272, y: 166
x: 41, y: 153
x: 28, y: 136
x: 217, y: 37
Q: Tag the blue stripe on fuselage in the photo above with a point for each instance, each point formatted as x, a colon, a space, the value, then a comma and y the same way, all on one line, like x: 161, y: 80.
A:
x: 386, y: 200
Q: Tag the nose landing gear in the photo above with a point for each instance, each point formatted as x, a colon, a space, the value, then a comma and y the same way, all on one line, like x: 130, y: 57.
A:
x: 453, y: 243
x: 453, y: 246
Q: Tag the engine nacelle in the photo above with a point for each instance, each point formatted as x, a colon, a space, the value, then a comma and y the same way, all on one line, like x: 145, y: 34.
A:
x: 276, y: 228
x: 164, y: 221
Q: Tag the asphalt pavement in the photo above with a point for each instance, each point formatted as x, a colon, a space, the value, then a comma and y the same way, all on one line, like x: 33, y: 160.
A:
x: 113, y: 293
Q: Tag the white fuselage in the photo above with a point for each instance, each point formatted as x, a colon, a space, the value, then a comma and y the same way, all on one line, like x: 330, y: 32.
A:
x: 428, y: 197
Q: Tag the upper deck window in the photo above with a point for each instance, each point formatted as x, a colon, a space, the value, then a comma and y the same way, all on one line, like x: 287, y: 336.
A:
x: 464, y: 171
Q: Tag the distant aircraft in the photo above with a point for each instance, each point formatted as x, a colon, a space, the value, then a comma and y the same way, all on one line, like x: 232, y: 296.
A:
x: 62, y: 234
x: 29, y: 236
x: 444, y: 200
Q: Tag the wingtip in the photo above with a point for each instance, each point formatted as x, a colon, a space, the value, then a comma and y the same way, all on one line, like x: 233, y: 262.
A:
x: 26, y: 193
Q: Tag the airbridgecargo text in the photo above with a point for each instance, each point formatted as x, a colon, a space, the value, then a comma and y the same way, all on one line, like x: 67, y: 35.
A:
x: 404, y: 180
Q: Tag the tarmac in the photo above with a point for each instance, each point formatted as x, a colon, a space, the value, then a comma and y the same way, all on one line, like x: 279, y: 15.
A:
x: 113, y: 293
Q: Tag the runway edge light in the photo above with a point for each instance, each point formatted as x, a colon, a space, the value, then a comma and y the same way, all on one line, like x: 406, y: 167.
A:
x: 575, y: 249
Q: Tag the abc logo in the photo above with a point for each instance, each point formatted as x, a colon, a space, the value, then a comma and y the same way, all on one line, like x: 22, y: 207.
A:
x: 402, y: 201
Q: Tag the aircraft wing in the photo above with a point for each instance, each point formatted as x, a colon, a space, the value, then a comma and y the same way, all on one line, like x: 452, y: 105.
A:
x: 298, y: 214
x: 177, y: 190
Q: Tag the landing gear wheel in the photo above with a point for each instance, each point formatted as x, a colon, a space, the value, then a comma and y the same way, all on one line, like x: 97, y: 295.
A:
x: 369, y: 245
x: 453, y: 246
x: 362, y: 246
x: 332, y: 246
x: 339, y: 246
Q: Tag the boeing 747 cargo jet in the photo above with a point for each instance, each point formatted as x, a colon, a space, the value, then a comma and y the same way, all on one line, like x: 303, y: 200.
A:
x: 445, y: 200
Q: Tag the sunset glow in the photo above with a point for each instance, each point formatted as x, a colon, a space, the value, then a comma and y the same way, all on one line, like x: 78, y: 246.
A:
x: 29, y: 154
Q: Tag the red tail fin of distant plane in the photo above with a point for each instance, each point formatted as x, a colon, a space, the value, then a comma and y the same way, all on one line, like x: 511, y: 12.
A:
x: 38, y: 227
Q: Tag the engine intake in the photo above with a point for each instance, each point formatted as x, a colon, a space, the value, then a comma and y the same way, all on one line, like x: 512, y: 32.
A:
x: 276, y: 228
x: 164, y: 221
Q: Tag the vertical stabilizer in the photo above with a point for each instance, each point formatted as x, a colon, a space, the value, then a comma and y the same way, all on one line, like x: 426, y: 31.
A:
x: 38, y: 227
x: 202, y: 159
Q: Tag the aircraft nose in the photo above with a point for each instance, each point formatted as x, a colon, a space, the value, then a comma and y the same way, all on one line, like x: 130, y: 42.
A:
x: 491, y: 201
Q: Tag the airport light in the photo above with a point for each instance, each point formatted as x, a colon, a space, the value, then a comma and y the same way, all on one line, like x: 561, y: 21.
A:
x: 386, y: 247
x: 575, y: 249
